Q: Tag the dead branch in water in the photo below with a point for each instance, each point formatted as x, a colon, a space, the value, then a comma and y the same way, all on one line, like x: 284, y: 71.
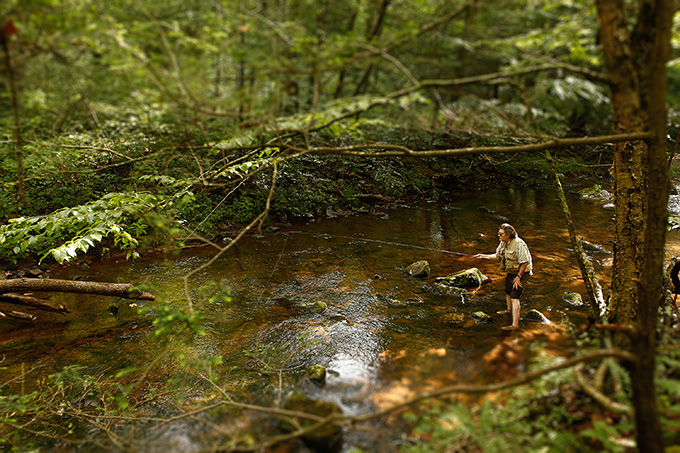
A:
x: 14, y: 291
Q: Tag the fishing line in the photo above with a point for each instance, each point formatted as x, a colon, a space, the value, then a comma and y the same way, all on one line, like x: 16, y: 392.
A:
x: 276, y: 266
x: 399, y: 244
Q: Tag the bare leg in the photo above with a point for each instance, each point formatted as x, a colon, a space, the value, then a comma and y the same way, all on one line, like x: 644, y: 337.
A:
x: 515, y: 312
x: 508, y: 301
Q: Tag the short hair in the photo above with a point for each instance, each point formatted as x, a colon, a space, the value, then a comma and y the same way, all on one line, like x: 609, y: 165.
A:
x: 509, y: 230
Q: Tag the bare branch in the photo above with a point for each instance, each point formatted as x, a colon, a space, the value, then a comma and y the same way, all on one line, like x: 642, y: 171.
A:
x: 599, y: 396
x: 524, y: 379
x: 17, y: 315
x: 398, y: 150
x: 257, y: 220
x: 29, y: 301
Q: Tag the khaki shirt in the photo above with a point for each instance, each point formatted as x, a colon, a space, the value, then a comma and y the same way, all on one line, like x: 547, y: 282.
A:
x: 513, y: 254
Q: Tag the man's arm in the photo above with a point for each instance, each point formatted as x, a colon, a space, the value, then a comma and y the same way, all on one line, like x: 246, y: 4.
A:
x: 517, y: 282
x: 485, y: 256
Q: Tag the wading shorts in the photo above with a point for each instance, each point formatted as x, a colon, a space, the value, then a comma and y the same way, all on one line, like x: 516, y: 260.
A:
x: 515, y: 292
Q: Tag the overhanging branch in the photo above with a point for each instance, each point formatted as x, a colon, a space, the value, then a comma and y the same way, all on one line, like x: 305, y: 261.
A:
x: 402, y: 151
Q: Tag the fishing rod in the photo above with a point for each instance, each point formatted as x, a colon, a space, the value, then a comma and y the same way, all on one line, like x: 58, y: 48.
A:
x: 354, y: 238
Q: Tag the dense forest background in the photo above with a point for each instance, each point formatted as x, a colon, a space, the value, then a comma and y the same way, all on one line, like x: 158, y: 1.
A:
x: 184, y: 99
x: 143, y: 124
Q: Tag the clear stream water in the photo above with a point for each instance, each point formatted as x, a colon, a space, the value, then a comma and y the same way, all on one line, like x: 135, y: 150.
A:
x: 384, y: 336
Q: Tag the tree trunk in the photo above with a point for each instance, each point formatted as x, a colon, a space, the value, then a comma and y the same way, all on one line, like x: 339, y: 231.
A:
x: 373, y: 33
x: 593, y: 288
x: 636, y: 65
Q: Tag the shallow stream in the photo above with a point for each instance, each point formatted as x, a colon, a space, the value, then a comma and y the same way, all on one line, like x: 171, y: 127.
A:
x: 383, y: 337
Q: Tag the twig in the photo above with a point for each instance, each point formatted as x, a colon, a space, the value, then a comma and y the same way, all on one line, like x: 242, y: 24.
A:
x: 599, y: 396
x: 222, y: 250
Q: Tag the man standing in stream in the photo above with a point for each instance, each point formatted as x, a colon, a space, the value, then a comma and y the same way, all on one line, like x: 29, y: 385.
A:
x: 515, y: 259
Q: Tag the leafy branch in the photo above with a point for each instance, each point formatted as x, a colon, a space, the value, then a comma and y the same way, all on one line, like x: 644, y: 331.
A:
x: 111, y: 216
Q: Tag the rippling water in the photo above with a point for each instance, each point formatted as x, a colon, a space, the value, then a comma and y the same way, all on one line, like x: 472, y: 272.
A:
x: 383, y: 337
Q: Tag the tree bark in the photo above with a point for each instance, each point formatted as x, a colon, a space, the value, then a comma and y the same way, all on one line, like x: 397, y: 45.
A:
x: 636, y: 65
x: 125, y: 290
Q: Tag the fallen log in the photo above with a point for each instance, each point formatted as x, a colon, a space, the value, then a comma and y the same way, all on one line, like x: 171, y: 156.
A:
x: 30, y: 301
x: 17, y: 315
x: 124, y: 290
x: 9, y: 288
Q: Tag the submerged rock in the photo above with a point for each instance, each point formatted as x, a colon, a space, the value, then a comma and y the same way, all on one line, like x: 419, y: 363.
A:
x: 536, y: 316
x: 454, y: 291
x: 494, y: 214
x: 317, y: 307
x: 419, y: 269
x: 467, y: 278
x: 455, y: 318
x: 590, y: 247
x: 323, y: 438
x: 406, y: 302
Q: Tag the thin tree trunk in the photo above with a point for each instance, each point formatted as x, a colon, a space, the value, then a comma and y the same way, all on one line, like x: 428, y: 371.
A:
x: 593, y: 288
x: 341, y: 77
x: 375, y: 32
x: 655, y: 19
x: 9, y: 29
x: 219, y: 59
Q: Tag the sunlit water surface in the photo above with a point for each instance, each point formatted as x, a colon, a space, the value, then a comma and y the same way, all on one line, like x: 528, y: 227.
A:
x: 383, y: 337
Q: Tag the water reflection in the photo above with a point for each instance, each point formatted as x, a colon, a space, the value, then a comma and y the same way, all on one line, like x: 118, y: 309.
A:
x: 383, y: 335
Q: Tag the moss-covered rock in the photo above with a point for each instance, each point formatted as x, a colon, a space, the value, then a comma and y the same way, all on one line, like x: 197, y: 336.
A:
x: 419, y: 269
x: 467, y: 278
x: 454, y: 318
x: 317, y: 307
x: 481, y: 316
x: 316, y: 373
x: 573, y: 299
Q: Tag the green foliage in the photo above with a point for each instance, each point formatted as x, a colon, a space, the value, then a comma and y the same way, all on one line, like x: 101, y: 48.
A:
x: 215, y: 296
x: 178, y: 327
x: 668, y: 385
x: 69, y: 231
x: 56, y: 409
